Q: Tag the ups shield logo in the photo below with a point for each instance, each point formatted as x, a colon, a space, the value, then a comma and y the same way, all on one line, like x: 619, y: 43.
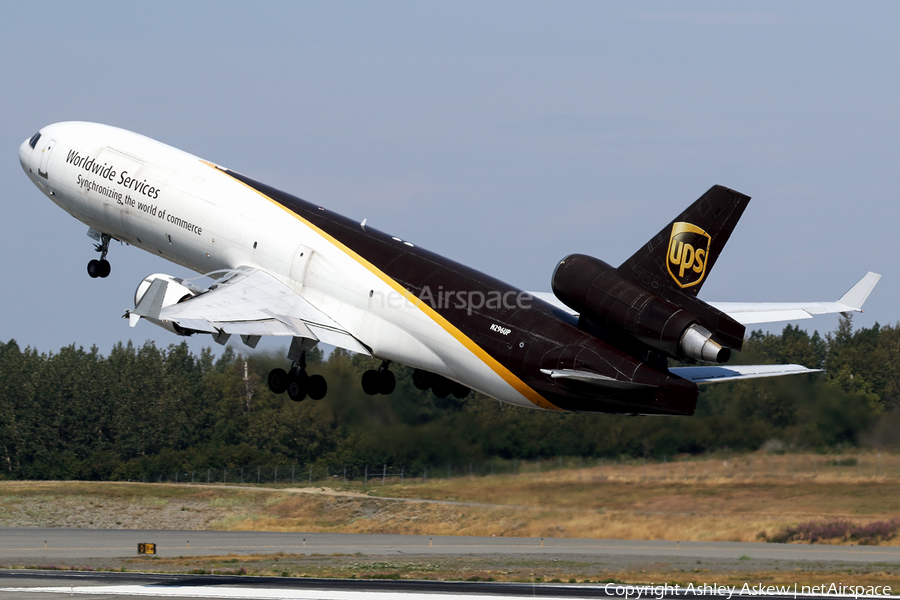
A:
x: 688, y: 250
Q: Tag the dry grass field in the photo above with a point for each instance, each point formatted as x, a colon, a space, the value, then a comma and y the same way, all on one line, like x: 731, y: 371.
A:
x: 733, y: 498
x: 742, y: 498
x: 711, y: 500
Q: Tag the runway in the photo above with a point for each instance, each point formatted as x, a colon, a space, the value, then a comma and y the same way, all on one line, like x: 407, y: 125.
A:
x: 38, y: 545
x: 52, y: 585
x: 34, y: 548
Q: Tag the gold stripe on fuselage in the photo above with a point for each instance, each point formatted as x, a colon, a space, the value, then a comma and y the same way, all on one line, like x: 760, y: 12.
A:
x: 516, y: 383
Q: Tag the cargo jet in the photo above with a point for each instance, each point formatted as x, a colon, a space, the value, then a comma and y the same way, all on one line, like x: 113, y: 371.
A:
x: 281, y: 266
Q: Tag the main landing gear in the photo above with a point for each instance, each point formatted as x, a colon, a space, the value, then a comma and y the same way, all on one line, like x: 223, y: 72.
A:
x: 100, y: 268
x: 440, y: 386
x: 297, y: 382
x: 381, y: 381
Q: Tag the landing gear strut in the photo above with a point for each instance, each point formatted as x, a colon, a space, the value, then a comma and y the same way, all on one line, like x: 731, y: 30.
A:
x: 381, y: 381
x: 100, y: 268
x: 296, y: 382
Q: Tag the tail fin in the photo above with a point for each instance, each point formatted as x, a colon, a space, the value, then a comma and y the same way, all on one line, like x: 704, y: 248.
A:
x: 685, y: 251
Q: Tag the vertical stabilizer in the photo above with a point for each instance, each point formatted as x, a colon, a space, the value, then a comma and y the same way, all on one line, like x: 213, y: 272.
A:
x: 681, y: 256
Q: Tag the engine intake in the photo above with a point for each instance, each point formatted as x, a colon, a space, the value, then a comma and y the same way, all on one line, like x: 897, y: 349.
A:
x: 177, y: 290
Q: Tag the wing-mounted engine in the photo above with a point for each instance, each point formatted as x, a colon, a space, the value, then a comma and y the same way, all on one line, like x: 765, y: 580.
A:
x: 683, y: 328
x: 157, y: 292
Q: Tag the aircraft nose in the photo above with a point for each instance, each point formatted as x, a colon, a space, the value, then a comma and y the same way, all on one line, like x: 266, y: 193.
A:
x: 25, y: 155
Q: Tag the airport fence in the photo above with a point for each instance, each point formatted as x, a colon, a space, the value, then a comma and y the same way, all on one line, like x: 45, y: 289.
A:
x: 758, y: 466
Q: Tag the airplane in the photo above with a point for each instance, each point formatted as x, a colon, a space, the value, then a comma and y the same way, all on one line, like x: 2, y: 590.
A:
x: 282, y: 266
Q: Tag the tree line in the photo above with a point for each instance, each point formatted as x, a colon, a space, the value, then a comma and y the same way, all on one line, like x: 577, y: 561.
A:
x: 76, y: 414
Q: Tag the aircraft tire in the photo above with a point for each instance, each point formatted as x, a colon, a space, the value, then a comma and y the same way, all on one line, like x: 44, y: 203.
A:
x: 278, y: 381
x: 459, y: 391
x: 387, y: 382
x: 441, y: 388
x: 317, y: 387
x: 105, y: 269
x: 370, y: 382
x: 422, y: 379
x: 94, y: 269
x: 297, y: 386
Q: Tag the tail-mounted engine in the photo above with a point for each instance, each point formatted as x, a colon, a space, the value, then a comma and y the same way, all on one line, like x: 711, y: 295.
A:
x: 683, y: 328
x: 173, y: 291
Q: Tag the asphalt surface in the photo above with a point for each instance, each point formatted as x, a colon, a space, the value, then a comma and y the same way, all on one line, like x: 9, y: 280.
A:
x: 37, y: 547
x: 28, y: 546
x: 52, y: 585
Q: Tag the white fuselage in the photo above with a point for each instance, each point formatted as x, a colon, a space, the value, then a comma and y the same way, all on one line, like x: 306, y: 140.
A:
x: 184, y: 209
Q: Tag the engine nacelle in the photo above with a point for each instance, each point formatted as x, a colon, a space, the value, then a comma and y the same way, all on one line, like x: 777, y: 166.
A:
x: 594, y: 289
x: 177, y: 290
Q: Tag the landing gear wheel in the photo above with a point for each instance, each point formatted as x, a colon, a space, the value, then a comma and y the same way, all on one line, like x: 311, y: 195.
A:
x: 297, y: 386
x: 387, y: 382
x: 317, y: 387
x: 458, y: 390
x: 94, y: 269
x: 422, y: 379
x: 441, y: 388
x: 278, y: 381
x: 100, y: 268
x: 371, y: 382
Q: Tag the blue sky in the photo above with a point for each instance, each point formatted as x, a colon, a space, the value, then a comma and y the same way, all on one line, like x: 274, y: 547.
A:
x: 505, y: 135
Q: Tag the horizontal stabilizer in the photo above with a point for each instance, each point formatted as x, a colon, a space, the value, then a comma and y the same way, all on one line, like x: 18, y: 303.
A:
x: 702, y: 375
x: 593, y: 378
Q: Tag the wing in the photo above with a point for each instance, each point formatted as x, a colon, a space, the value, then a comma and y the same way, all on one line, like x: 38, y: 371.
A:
x: 702, y: 375
x: 749, y: 313
x: 248, y: 302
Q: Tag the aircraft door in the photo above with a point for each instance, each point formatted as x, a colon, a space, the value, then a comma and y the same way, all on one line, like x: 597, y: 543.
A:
x: 46, y: 151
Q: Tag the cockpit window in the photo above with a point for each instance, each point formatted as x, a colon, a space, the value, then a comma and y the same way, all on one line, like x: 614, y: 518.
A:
x: 34, y: 140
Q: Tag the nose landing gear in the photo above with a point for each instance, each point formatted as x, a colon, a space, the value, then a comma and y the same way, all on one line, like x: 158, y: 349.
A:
x: 100, y: 268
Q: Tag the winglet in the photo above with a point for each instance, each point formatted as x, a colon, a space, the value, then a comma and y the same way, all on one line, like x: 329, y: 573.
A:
x: 856, y: 296
x: 152, y: 301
